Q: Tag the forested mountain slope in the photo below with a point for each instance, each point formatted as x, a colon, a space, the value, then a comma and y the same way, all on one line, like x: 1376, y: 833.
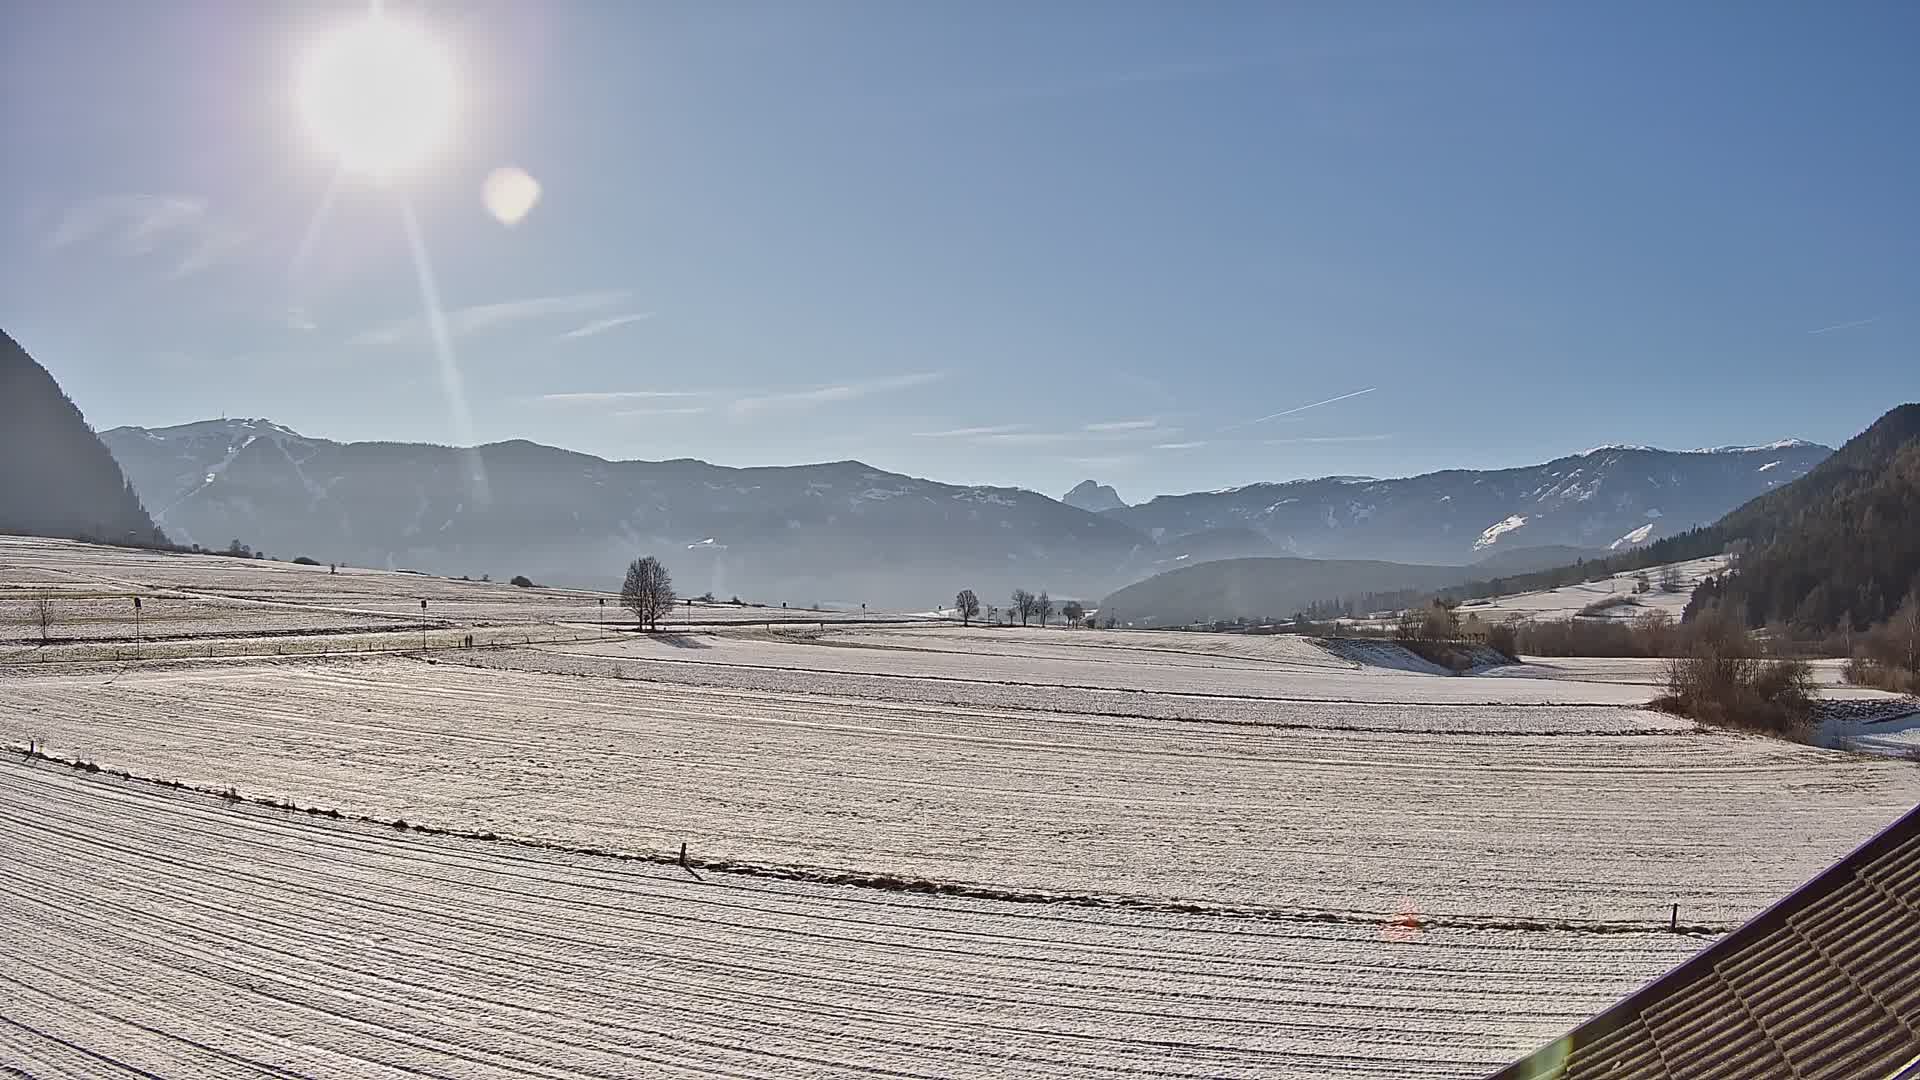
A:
x: 1838, y: 548
x: 56, y: 479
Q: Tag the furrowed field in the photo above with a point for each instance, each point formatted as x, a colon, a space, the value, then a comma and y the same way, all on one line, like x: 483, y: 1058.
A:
x: 912, y: 849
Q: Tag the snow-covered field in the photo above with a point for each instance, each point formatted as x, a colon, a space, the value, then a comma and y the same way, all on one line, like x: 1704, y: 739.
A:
x: 89, y: 585
x: 154, y: 933
x: 1181, y: 854
x: 1504, y: 811
x: 1568, y: 600
x: 1297, y: 669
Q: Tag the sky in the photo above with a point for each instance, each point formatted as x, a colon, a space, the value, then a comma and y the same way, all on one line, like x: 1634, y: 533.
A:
x: 1166, y: 246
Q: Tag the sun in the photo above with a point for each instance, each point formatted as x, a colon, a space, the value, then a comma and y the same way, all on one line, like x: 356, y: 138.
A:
x: 379, y: 94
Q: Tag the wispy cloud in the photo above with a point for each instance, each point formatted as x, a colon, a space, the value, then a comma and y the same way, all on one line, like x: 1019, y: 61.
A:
x: 1107, y: 431
x: 1031, y: 438
x: 180, y: 229
x: 1105, y: 461
x: 687, y: 410
x: 608, y: 397
x: 970, y: 432
x: 211, y: 245
x: 601, y: 326
x: 1847, y: 325
x: 1298, y: 409
x: 1104, y: 82
x: 828, y: 395
x: 1328, y: 439
x: 1195, y: 445
x: 462, y: 322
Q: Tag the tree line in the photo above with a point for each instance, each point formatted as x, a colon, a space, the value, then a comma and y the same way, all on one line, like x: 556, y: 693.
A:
x: 1023, y: 605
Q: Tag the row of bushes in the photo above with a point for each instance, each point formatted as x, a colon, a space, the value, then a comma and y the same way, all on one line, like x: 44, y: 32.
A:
x: 1652, y: 634
x: 1720, y: 678
x: 1866, y: 671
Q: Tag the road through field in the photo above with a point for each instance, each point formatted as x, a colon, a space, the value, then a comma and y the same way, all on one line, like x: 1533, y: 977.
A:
x: 149, y: 932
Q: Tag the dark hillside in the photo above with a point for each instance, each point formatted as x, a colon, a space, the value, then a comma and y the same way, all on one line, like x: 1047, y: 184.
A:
x: 56, y: 478
x: 1840, y: 547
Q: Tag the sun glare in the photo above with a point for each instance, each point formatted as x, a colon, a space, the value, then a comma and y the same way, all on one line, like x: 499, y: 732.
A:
x: 379, y: 93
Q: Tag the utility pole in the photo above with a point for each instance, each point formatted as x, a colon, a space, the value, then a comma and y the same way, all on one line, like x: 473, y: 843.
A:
x: 136, y: 628
x: 423, y: 626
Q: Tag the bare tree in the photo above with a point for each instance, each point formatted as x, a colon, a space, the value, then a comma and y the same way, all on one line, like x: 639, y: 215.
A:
x: 1043, y: 607
x: 43, y: 616
x: 647, y: 592
x: 967, y: 604
x: 993, y: 614
x: 1670, y: 580
x: 1022, y: 605
x: 1074, y: 612
x: 1896, y: 642
x: 1435, y: 622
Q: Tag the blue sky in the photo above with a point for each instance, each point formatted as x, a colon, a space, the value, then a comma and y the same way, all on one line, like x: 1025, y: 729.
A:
x: 1017, y: 243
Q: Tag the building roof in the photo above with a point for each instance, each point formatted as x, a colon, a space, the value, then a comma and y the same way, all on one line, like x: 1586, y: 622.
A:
x: 1824, y: 984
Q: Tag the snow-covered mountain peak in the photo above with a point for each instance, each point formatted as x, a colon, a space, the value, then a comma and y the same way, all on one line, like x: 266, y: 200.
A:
x: 1777, y: 444
x: 235, y: 429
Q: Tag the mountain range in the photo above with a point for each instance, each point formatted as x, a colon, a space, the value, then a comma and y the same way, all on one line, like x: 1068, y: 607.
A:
x: 836, y: 533
x: 1611, y: 497
x: 846, y: 532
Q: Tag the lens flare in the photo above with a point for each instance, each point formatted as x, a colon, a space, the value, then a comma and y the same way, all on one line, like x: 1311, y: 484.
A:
x: 509, y: 194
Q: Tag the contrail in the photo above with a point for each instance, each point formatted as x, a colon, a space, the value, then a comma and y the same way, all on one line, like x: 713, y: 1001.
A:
x: 1845, y: 325
x: 1298, y: 409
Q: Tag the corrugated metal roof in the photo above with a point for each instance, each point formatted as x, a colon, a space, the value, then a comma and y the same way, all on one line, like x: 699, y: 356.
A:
x: 1825, y: 984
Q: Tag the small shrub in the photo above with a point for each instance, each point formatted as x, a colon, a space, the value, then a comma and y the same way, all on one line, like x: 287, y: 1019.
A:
x: 302, y: 560
x: 522, y: 581
x: 1608, y: 603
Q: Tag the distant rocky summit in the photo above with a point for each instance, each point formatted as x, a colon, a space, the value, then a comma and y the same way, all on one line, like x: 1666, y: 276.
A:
x: 1093, y: 498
